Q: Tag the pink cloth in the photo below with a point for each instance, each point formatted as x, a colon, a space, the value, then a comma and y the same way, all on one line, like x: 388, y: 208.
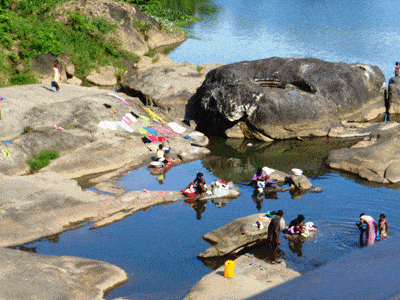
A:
x: 127, y: 121
x: 371, y: 232
x: 58, y: 127
x: 120, y: 98
x: 165, y: 131
x: 153, y: 138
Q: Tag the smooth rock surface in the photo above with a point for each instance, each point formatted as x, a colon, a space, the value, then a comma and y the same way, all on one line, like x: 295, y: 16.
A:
x: 251, y: 277
x: 26, y: 275
x: 236, y: 235
x: 375, y: 159
x: 167, y: 85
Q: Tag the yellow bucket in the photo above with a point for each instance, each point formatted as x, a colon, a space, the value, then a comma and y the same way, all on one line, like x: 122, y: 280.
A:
x: 229, y: 272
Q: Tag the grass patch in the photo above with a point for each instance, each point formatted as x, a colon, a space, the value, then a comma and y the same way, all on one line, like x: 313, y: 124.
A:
x: 42, y: 159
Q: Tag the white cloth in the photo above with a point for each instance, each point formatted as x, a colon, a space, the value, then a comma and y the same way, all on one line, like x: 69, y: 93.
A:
x: 108, y: 125
x: 366, y: 218
x: 268, y: 171
x: 131, y: 117
x: 125, y: 126
x: 160, y: 154
x: 177, y: 128
x: 56, y: 74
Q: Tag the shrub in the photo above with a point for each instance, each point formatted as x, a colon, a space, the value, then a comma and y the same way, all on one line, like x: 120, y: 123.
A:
x: 42, y: 159
x: 22, y: 78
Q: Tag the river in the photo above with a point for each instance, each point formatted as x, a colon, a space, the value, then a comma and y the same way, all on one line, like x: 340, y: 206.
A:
x: 158, y: 247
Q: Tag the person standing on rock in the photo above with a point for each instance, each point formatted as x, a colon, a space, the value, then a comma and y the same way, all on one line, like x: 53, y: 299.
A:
x: 57, y: 76
x: 273, y: 241
x: 397, y: 69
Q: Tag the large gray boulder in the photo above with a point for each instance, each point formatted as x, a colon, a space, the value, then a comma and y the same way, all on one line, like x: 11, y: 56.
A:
x: 236, y: 235
x: 281, y: 98
x: 28, y: 275
x: 376, y: 158
x: 167, y: 85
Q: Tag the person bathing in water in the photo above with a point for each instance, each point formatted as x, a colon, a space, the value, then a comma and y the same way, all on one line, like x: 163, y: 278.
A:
x: 371, y: 230
x: 383, y: 227
x: 296, y: 226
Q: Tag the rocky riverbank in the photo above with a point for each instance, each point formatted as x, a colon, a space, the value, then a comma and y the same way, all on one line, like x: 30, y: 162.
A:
x: 50, y: 201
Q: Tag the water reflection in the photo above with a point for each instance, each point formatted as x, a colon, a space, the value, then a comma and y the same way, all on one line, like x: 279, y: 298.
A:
x: 237, y: 162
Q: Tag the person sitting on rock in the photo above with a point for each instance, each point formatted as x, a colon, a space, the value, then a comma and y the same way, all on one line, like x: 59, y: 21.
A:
x: 161, y: 156
x: 259, y: 176
x: 198, y: 183
x: 296, y: 226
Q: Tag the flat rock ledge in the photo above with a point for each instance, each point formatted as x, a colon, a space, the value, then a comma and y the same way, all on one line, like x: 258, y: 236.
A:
x: 376, y: 158
x: 252, y: 276
x: 26, y: 275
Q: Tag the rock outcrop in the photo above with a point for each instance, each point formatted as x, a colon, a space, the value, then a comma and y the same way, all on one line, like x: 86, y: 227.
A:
x: 236, y: 235
x: 281, y: 98
x: 394, y: 98
x: 62, y: 277
x: 251, y: 277
x: 376, y: 158
x: 30, y: 114
x: 136, y: 31
x: 168, y: 85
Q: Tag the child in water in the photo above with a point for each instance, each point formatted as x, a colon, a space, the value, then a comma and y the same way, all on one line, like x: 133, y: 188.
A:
x: 383, y: 226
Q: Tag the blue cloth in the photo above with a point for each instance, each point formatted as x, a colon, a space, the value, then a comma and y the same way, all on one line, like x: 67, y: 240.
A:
x: 188, y: 138
x: 151, y: 130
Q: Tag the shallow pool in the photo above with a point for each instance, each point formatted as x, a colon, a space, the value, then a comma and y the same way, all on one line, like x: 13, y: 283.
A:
x: 158, y: 247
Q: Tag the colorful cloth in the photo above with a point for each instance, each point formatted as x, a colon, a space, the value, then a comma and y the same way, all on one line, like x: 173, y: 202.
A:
x: 371, y: 232
x: 153, y: 138
x: 165, y: 131
x: 151, y: 130
x: 143, y: 131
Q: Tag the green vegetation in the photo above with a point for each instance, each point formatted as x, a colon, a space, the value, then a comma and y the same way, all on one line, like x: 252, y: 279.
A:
x: 42, y: 159
x: 29, y: 28
x: 27, y: 129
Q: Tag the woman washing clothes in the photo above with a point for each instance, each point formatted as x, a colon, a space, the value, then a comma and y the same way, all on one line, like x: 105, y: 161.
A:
x: 259, y: 176
x: 161, y: 156
x: 371, y: 230
x: 296, y: 226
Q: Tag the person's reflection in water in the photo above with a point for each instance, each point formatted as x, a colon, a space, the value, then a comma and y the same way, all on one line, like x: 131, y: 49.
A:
x: 257, y: 198
x: 297, y: 193
x: 199, y: 207
x: 161, y: 178
x: 296, y: 245
x: 270, y: 194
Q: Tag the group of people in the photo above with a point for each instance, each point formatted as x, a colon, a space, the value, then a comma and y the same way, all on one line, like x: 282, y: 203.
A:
x: 372, y: 228
x: 296, y: 227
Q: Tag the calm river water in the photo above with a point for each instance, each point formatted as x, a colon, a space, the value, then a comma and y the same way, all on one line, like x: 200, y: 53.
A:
x: 158, y: 247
